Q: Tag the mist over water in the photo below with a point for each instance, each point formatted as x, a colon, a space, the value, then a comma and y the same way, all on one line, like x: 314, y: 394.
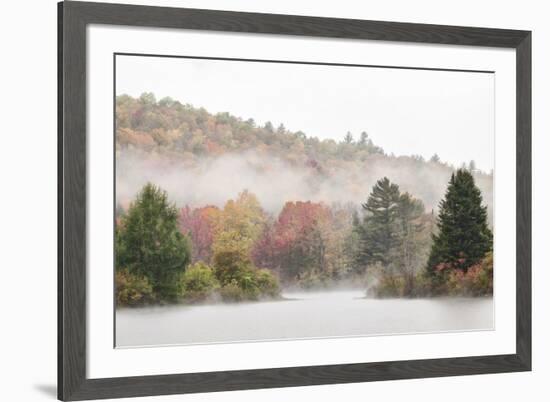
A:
x: 301, y: 315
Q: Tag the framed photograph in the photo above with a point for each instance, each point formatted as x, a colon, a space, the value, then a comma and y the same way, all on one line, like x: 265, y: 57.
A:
x: 258, y: 201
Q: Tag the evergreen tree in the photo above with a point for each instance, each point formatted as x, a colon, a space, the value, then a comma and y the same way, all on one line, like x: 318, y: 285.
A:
x: 364, y: 138
x: 149, y: 243
x: 378, y: 231
x: 463, y: 236
x: 348, y: 138
x: 392, y: 233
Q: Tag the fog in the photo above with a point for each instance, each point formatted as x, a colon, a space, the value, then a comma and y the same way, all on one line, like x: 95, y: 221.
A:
x: 274, y: 181
x: 301, y: 315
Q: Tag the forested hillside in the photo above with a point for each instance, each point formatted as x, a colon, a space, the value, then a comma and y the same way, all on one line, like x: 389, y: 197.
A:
x: 215, y: 206
x: 179, y: 147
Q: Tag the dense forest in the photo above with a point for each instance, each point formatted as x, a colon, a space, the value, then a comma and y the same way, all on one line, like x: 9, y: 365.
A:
x: 214, y: 207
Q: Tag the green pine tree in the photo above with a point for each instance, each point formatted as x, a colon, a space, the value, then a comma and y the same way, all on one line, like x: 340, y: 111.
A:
x: 463, y: 237
x: 378, y: 231
x: 348, y: 138
x: 149, y: 243
x: 363, y: 138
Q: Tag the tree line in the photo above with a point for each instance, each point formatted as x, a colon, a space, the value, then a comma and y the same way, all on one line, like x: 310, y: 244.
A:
x: 168, y: 126
x: 164, y: 131
x: 416, y: 255
x: 389, y: 245
x: 154, y: 259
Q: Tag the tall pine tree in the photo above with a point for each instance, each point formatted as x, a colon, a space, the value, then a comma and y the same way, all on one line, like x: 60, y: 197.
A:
x: 463, y: 236
x: 378, y: 231
x: 149, y: 243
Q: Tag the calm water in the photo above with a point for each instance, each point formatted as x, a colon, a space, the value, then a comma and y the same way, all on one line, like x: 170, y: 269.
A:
x: 307, y: 315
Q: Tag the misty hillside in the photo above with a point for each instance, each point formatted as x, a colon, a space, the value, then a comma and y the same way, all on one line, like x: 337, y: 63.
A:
x: 201, y: 158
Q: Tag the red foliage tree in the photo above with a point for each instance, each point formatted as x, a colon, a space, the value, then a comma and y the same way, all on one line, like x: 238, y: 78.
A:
x: 296, y: 242
x: 199, y: 224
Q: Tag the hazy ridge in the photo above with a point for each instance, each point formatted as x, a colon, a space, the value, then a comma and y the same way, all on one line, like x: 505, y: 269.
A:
x: 200, y: 158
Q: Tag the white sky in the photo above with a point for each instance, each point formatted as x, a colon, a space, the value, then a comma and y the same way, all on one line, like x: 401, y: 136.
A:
x: 404, y: 111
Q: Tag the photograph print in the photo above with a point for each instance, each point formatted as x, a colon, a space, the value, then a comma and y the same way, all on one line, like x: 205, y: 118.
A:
x: 266, y: 200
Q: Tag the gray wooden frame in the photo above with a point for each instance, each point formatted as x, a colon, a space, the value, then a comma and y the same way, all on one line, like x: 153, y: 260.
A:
x: 73, y: 18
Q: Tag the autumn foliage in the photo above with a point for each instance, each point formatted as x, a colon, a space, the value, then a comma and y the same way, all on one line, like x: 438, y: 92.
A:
x: 476, y: 280
x: 296, y: 243
x: 238, y: 249
x: 152, y: 251
x: 199, y: 225
x: 132, y: 290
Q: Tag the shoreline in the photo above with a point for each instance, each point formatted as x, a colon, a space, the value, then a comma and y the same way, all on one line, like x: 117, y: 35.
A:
x: 286, y: 299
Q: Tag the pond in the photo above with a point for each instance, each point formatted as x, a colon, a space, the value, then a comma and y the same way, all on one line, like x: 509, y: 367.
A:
x: 299, y: 315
